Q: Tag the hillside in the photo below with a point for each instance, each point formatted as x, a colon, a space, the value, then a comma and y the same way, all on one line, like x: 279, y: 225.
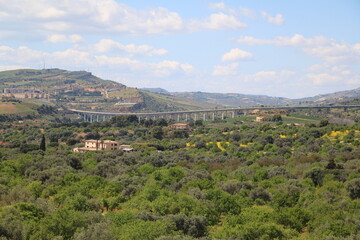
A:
x: 82, y: 90
x: 16, y: 108
x: 334, y: 97
x: 236, y: 99
x: 52, y: 80
x: 233, y: 99
x: 155, y: 90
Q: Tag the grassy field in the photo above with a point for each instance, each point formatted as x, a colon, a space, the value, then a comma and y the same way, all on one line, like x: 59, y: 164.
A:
x: 125, y: 93
x: 15, y: 108
x: 241, y: 118
x: 299, y: 118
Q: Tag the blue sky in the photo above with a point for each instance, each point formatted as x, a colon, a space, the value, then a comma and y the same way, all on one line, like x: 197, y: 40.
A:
x: 269, y: 47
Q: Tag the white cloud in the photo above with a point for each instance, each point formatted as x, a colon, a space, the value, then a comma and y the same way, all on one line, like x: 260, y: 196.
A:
x: 295, y: 41
x: 107, y: 45
x: 218, y: 6
x: 45, y: 17
x: 335, y: 53
x: 264, y: 75
x: 217, y: 21
x: 11, y: 67
x: 79, y: 59
x: 5, y: 49
x: 118, y: 61
x: 252, y: 41
x: 50, y: 12
x: 270, y: 76
x: 59, y: 38
x: 56, y: 26
x: 166, y: 68
x: 71, y: 57
x: 247, y: 12
x: 278, y: 19
x: 323, y: 78
x: 221, y: 70
x: 321, y: 47
x: 354, y: 80
x: 187, y: 68
x: 22, y: 55
x: 236, y: 54
x: 261, y: 76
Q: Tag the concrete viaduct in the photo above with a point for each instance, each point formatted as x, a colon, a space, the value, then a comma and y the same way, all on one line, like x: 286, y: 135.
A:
x: 204, y: 114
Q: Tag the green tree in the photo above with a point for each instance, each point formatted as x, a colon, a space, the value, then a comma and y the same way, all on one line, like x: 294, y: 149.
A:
x: 353, y: 187
x: 324, y: 123
x: 316, y: 175
x: 157, y: 132
x: 42, y: 143
x: 276, y: 118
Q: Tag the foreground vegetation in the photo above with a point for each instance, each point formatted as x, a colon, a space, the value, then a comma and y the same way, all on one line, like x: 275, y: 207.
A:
x: 223, y: 180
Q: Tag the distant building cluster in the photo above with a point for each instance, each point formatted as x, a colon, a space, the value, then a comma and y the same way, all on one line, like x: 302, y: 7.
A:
x: 180, y: 126
x: 102, y: 145
x: 261, y: 119
x: 21, y: 93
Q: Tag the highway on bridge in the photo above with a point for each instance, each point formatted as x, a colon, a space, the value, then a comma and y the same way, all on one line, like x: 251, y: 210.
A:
x: 213, y: 110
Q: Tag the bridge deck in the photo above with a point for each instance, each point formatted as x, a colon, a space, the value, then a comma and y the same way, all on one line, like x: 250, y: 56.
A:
x: 212, y: 110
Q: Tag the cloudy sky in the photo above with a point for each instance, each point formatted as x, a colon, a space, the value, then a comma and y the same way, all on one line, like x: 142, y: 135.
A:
x: 282, y: 48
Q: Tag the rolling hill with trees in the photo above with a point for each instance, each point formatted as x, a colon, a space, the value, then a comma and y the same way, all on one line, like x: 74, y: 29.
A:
x: 82, y: 90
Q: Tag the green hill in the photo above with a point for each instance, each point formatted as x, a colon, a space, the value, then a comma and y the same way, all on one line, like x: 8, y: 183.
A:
x: 82, y: 90
x: 47, y: 79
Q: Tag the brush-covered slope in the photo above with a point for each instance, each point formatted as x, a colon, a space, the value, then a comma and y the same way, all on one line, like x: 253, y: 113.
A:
x: 334, y: 97
x: 53, y: 79
x: 82, y: 90
x: 233, y: 99
x: 166, y: 102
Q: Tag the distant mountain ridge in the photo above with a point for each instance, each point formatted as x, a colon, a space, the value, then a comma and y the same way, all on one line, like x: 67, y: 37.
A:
x: 83, y: 90
x: 238, y: 99
x: 334, y: 97
x: 155, y: 90
x: 233, y: 99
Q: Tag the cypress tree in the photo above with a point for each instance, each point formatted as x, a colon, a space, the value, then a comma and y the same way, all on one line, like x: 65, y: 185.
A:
x: 42, y: 143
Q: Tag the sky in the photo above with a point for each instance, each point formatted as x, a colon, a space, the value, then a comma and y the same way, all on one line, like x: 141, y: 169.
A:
x: 293, y: 49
